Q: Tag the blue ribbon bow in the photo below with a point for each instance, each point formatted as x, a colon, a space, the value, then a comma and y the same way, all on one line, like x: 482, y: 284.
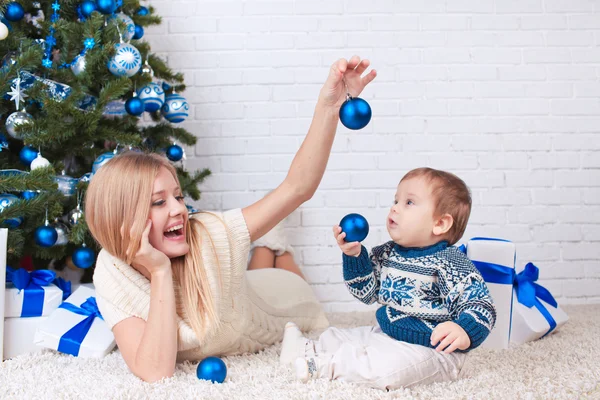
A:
x: 70, y: 342
x: 31, y: 283
x: 63, y: 285
x: 529, y: 293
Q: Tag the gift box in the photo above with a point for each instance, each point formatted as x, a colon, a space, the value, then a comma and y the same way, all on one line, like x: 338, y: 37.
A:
x: 77, y: 327
x: 18, y: 336
x: 535, y: 311
x: 3, y: 246
x: 495, y: 260
x: 31, y: 294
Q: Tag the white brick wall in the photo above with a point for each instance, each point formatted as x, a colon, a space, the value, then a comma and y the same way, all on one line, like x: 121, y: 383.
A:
x: 502, y: 92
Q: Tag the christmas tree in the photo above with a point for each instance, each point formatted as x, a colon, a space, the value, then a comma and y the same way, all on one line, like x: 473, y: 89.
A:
x: 76, y: 79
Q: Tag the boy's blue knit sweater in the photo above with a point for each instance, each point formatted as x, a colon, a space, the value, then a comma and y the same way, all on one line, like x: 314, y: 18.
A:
x: 420, y: 288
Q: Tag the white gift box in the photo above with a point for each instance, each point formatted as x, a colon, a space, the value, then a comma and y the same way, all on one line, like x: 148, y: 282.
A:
x: 3, y: 245
x: 18, y: 336
x: 533, y: 321
x: 500, y: 253
x: 14, y: 300
x: 97, y: 342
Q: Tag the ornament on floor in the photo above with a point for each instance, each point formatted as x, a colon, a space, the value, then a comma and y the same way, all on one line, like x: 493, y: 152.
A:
x: 175, y: 152
x: 67, y: 185
x: 7, y: 200
x: 3, y: 31
x: 87, y: 7
x: 14, y: 12
x: 212, y: 369
x: 46, y: 235
x: 355, y: 113
x: 83, y: 257
x: 355, y: 226
x: 175, y: 108
x: 138, y: 32
x: 18, y: 118
x: 17, y: 93
x: 106, y: 6
x: 153, y: 96
x: 63, y: 233
x: 134, y: 105
x: 27, y: 155
x: 142, y: 11
x: 129, y: 26
x: 39, y: 162
x: 102, y: 159
x: 126, y: 61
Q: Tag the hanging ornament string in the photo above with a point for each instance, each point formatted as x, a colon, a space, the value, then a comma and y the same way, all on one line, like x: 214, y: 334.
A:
x: 88, y: 44
x: 50, y: 39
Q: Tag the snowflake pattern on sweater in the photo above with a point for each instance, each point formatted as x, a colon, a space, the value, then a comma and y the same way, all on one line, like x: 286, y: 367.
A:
x: 420, y: 288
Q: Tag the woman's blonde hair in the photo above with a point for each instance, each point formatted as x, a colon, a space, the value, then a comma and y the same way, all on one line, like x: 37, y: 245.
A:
x: 118, y: 202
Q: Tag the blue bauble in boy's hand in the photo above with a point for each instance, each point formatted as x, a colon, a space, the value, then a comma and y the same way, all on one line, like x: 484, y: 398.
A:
x: 355, y: 226
x: 355, y: 113
x: 212, y: 369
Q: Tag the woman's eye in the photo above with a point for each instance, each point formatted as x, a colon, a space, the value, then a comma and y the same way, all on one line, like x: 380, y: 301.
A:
x: 158, y: 203
x: 179, y: 198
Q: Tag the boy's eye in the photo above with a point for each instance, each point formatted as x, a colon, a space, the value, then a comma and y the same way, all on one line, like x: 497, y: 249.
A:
x: 395, y: 202
x: 409, y: 202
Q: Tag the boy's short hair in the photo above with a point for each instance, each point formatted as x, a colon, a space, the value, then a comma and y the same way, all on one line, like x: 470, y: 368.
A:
x: 451, y: 196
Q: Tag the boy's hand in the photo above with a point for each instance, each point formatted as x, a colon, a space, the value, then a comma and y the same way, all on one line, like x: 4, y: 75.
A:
x: 352, y: 249
x: 450, y: 337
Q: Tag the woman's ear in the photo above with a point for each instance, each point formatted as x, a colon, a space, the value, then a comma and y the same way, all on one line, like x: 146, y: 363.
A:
x: 443, y: 224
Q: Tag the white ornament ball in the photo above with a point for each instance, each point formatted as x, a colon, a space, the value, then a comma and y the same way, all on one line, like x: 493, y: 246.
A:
x: 176, y: 108
x: 39, y: 162
x: 126, y: 61
x: 15, y: 119
x: 129, y: 26
x: 153, y: 96
x: 4, y: 31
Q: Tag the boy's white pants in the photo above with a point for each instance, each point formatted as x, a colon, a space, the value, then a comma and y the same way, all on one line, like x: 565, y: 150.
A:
x: 367, y: 356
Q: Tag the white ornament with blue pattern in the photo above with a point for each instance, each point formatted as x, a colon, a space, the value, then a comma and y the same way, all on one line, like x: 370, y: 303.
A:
x: 126, y: 61
x: 153, y: 96
x: 129, y: 26
x: 176, y: 108
x: 101, y: 160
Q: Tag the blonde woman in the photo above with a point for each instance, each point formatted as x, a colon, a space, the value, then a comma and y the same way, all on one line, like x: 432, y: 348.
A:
x: 176, y: 288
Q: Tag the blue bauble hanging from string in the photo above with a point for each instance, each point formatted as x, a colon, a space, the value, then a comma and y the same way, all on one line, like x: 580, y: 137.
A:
x: 126, y: 61
x: 101, y: 160
x: 176, y: 108
x: 5, y: 201
x: 142, y: 11
x: 27, y: 155
x: 106, y: 6
x: 153, y: 96
x: 87, y: 8
x: 139, y: 32
x: 45, y: 236
x: 129, y: 31
x: 84, y: 257
x: 14, y: 12
x: 134, y: 106
x: 174, y: 152
x: 355, y: 113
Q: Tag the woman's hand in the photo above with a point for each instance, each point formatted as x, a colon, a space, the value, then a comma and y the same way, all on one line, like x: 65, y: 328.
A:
x: 147, y: 256
x: 333, y: 93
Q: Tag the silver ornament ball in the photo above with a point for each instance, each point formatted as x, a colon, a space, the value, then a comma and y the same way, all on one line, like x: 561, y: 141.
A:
x: 63, y: 233
x: 78, y: 65
x: 75, y: 216
x: 15, y: 119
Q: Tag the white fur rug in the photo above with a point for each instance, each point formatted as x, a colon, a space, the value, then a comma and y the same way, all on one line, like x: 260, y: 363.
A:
x: 565, y: 365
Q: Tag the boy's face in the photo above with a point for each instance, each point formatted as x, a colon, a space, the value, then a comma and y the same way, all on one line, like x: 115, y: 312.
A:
x: 410, y: 221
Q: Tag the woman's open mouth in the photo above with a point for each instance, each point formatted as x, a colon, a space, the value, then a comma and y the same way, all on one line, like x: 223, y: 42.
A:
x: 175, y: 232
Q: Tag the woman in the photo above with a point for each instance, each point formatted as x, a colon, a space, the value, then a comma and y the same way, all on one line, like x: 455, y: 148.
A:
x: 175, y: 288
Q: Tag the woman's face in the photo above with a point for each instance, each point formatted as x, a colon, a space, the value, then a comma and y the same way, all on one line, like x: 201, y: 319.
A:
x: 169, y: 216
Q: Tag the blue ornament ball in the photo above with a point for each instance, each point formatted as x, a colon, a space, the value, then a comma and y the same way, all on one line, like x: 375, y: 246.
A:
x: 14, y: 12
x: 87, y: 8
x: 29, y: 194
x: 355, y: 113
x: 174, y: 152
x: 176, y: 108
x: 83, y: 257
x: 45, y: 236
x: 106, y: 6
x: 355, y: 226
x: 212, y: 369
x: 134, y: 106
x: 28, y: 154
x: 153, y: 96
x: 142, y: 11
x: 5, y: 201
x: 139, y: 32
x: 101, y: 160
x: 126, y: 61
